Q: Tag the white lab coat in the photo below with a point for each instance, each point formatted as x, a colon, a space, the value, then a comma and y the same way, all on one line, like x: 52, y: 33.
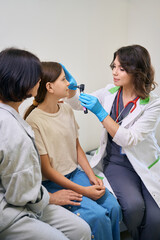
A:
x: 136, y: 136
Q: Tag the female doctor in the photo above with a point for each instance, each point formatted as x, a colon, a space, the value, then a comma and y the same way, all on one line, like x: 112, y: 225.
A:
x: 129, y: 155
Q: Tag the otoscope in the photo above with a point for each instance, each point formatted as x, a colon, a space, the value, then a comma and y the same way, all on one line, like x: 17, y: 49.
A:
x: 81, y: 89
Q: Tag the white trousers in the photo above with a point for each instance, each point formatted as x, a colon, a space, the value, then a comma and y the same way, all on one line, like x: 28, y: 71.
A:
x: 57, y: 223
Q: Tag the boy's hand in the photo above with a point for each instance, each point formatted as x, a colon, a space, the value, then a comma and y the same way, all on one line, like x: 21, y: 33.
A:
x: 94, y: 192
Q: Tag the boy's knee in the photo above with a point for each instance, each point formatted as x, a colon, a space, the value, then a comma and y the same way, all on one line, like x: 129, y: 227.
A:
x: 116, y: 207
x: 115, y: 210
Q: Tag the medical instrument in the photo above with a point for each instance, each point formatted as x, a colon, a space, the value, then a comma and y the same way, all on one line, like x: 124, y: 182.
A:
x: 117, y: 105
x: 81, y: 89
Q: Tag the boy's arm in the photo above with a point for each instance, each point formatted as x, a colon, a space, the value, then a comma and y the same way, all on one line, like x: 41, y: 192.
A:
x: 83, y: 162
x: 51, y: 174
x: 94, y: 192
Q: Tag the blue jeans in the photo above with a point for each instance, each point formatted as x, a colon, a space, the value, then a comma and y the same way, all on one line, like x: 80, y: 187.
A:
x: 102, y: 215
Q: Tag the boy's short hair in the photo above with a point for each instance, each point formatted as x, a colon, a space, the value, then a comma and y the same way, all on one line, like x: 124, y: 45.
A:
x: 20, y: 71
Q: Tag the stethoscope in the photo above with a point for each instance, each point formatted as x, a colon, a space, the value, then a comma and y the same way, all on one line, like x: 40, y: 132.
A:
x: 117, y: 105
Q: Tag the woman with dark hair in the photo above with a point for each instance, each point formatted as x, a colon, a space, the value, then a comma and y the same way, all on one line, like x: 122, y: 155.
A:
x: 56, y: 136
x: 27, y: 210
x: 129, y: 154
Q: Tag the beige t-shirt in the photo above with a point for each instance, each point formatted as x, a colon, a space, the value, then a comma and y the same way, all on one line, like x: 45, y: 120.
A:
x: 55, y: 135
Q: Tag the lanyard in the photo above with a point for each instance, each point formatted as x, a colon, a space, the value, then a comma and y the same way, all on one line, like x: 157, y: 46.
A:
x: 117, y: 105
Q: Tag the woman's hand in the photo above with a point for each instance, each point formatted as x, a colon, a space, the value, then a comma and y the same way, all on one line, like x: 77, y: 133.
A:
x: 65, y: 197
x: 92, y: 103
x: 94, y: 192
x: 70, y: 79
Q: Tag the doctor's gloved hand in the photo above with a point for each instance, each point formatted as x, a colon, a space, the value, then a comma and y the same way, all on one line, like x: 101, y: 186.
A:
x: 69, y: 78
x: 92, y: 103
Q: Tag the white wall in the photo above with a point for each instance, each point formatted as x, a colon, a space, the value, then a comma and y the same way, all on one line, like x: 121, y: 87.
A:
x: 81, y: 34
x: 144, y: 29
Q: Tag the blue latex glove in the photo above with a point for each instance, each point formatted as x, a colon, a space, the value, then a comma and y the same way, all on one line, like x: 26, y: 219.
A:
x: 70, y: 79
x: 92, y: 103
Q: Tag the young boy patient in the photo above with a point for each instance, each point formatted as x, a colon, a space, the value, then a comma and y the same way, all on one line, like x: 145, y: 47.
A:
x: 56, y: 134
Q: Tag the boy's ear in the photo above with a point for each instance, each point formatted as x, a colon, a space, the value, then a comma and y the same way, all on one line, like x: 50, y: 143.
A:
x: 49, y: 87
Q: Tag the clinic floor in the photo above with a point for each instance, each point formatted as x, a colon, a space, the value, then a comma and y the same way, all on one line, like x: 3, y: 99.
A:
x: 125, y: 236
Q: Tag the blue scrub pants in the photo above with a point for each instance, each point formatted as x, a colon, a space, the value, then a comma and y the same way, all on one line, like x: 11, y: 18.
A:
x: 141, y: 214
x: 102, y: 215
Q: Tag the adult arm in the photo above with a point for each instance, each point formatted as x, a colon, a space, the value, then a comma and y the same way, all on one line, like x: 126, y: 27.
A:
x: 65, y: 197
x: 20, y: 170
x: 145, y: 123
x: 73, y: 84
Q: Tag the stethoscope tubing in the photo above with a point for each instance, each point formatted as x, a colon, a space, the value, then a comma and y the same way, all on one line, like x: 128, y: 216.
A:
x: 117, y: 104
